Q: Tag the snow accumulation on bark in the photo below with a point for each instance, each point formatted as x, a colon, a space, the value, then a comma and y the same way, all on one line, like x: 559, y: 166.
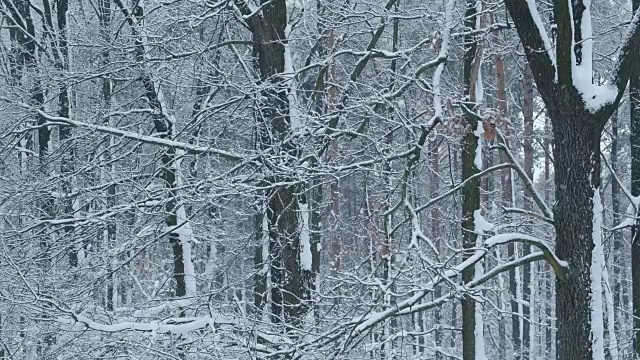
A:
x: 594, y: 96
x: 543, y: 33
x: 185, y: 234
x: 305, y: 243
x: 297, y: 124
x: 481, y: 226
x: 597, y: 264
x: 477, y: 161
x: 416, y: 229
x: 443, y: 54
x: 412, y: 303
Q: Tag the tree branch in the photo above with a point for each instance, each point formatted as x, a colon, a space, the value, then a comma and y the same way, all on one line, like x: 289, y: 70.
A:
x: 536, y: 44
x: 627, y: 56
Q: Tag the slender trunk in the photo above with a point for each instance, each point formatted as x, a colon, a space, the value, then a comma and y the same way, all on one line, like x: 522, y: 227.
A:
x: 334, y: 206
x: 170, y: 159
x: 435, y: 234
x: 505, y: 178
x: 634, y: 105
x: 528, y: 205
x: 104, y: 14
x: 549, y: 278
x: 618, y: 237
x: 61, y: 52
x: 27, y: 61
x: 471, y: 191
x: 387, y: 348
x: 507, y: 201
x: 471, y: 204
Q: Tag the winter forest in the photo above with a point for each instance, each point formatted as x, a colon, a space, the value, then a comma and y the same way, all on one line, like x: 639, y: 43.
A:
x: 320, y: 179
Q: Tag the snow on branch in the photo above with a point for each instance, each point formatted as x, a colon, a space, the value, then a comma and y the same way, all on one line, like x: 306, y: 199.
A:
x: 536, y: 43
x: 167, y: 326
x: 635, y: 200
x: 626, y: 57
x: 453, y: 190
x: 409, y: 305
x: 537, y: 198
x: 192, y: 149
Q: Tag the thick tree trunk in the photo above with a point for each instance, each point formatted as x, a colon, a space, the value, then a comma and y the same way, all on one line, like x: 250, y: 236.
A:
x: 577, y: 174
x: 577, y: 126
x: 288, y: 279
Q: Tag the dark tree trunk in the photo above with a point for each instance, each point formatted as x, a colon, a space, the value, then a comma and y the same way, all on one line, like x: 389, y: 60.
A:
x: 288, y: 279
x: 577, y: 130
x: 61, y: 52
x: 471, y: 203
x: 471, y: 191
x: 577, y: 174
x: 163, y: 125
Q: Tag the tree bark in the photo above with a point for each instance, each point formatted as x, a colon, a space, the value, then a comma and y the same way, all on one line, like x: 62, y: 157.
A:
x: 577, y: 128
x: 618, y: 237
x: 634, y: 106
x: 528, y: 205
x: 435, y: 234
x: 505, y: 181
x: 471, y: 191
x: 163, y: 124
x: 549, y: 279
x: 577, y: 174
x: 288, y: 279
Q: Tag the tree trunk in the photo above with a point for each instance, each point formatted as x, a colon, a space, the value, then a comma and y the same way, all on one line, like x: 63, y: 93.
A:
x: 61, y: 54
x: 577, y: 174
x: 471, y: 191
x: 505, y: 178
x: 274, y: 128
x: 528, y: 205
x: 109, y: 240
x: 164, y: 124
x: 435, y: 234
x: 634, y: 106
x: 618, y: 236
x: 550, y: 277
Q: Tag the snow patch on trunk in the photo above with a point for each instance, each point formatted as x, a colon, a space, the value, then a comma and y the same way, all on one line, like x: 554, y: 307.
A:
x: 611, y: 320
x: 597, y: 263
x: 305, y: 243
x: 533, y: 9
x: 185, y: 234
x: 289, y: 75
x: 480, y: 225
x: 477, y: 161
x: 593, y: 96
